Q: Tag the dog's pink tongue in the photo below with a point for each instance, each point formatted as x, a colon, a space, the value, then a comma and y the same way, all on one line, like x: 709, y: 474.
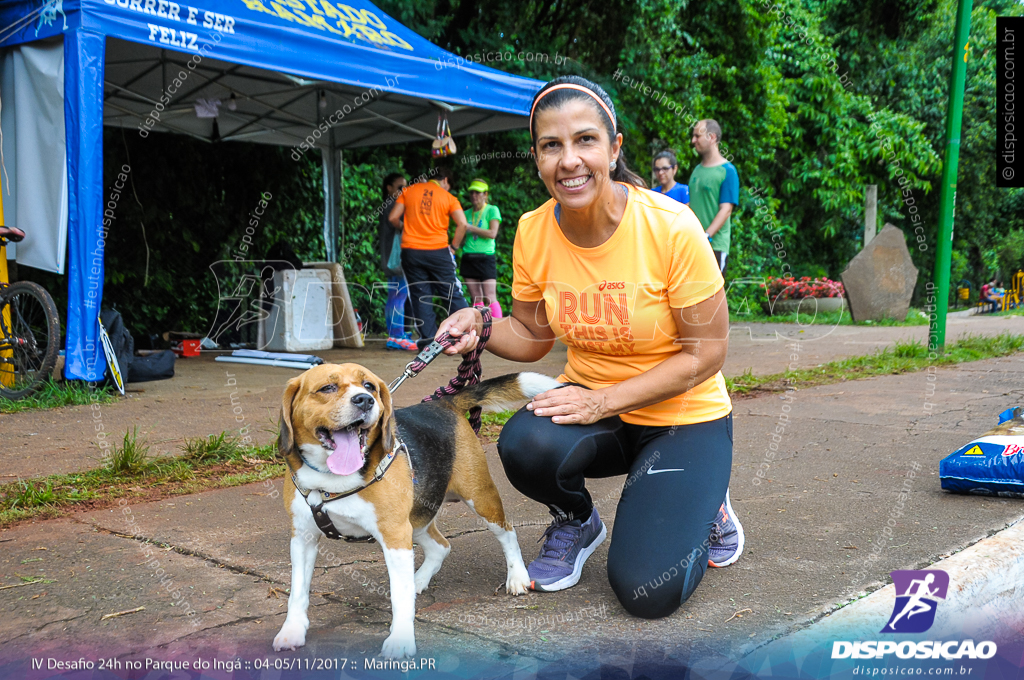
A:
x: 347, y: 457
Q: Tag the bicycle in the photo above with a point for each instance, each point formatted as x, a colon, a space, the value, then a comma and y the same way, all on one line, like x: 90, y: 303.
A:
x: 29, y: 329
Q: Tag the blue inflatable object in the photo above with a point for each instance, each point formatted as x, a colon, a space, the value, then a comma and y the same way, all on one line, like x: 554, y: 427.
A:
x: 993, y: 464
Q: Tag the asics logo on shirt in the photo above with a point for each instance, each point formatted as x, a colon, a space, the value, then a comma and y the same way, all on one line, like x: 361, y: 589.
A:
x: 612, y: 285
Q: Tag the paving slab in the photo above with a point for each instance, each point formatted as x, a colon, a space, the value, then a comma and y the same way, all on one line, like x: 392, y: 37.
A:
x: 207, y: 397
x: 812, y: 521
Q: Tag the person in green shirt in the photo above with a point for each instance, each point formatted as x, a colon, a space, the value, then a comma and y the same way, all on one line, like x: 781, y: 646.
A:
x: 714, y: 188
x: 479, y: 266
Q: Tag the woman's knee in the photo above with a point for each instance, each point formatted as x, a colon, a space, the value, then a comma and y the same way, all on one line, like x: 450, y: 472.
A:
x: 654, y: 598
x: 651, y: 595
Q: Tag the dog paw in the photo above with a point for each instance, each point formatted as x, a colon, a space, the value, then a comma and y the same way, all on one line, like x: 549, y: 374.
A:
x: 291, y: 636
x: 398, y: 646
x: 518, y: 581
x: 422, y: 582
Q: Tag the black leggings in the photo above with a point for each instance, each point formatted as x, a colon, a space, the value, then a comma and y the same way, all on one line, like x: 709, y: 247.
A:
x: 677, y: 479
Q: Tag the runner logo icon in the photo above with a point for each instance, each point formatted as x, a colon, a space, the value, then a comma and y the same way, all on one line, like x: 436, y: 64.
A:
x: 917, y: 595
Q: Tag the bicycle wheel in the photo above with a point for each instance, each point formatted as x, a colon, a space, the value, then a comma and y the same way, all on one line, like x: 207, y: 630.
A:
x: 29, y: 338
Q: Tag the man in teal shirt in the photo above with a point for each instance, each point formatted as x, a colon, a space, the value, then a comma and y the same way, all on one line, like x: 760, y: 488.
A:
x: 714, y: 188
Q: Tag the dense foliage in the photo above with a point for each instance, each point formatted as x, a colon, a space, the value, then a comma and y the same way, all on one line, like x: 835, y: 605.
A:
x: 817, y: 99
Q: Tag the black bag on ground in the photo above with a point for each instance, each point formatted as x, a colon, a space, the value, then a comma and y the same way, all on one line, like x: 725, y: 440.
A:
x: 159, y: 366
x: 122, y: 343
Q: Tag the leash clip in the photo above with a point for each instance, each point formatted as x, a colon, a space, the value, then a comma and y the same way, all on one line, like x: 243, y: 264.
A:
x: 428, y: 354
x: 397, y: 382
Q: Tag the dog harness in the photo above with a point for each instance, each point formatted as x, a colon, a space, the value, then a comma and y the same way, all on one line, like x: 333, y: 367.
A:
x: 320, y: 516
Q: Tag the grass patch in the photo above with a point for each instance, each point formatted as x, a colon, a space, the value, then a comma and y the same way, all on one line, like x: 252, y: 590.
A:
x: 499, y: 418
x: 36, y: 495
x: 131, y: 458
x: 221, y: 447
x: 754, y: 314
x: 55, y: 395
x: 903, y: 357
x: 1009, y: 312
x: 129, y: 473
x: 491, y: 424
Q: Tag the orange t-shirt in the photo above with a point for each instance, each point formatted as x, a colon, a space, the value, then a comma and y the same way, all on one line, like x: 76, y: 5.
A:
x: 612, y: 304
x: 427, y: 207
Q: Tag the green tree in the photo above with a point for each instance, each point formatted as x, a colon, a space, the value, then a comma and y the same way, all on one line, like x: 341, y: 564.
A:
x: 817, y: 98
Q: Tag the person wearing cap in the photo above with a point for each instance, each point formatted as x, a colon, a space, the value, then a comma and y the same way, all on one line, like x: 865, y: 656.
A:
x: 665, y: 166
x: 479, y: 266
x: 627, y: 279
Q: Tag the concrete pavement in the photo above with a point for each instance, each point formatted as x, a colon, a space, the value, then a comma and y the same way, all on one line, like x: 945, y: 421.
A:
x: 812, y: 521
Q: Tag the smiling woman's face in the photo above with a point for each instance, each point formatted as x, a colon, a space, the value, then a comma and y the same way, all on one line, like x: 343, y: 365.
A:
x: 574, y: 152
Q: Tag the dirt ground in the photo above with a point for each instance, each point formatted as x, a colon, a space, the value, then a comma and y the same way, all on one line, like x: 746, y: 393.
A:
x: 811, y: 525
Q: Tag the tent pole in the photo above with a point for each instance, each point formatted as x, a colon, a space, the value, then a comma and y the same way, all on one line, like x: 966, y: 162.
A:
x: 340, y: 164
x: 346, y: 333
x: 84, y: 53
x: 331, y: 162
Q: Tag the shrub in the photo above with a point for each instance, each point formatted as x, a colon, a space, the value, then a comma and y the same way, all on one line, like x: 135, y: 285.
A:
x: 790, y: 288
x: 1011, y: 254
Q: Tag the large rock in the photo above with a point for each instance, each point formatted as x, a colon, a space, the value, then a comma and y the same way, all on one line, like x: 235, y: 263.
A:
x: 880, y: 280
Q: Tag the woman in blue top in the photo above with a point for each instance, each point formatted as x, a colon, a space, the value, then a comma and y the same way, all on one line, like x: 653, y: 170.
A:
x: 665, y: 167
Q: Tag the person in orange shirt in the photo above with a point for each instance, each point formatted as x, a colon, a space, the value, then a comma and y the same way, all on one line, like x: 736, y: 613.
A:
x: 427, y: 259
x: 626, y: 278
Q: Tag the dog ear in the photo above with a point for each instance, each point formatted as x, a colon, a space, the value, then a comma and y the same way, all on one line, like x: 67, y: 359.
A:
x: 388, y: 429
x: 286, y: 438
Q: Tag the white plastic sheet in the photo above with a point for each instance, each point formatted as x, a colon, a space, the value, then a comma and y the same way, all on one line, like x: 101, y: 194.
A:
x: 34, y: 151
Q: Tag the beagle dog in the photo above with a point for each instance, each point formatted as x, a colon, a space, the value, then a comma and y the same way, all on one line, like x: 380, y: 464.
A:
x: 371, y: 471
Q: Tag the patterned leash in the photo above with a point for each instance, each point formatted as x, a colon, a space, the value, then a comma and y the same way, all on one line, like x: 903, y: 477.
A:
x: 469, y: 372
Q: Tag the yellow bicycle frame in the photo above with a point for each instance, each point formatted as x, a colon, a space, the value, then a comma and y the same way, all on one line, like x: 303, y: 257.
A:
x: 6, y: 369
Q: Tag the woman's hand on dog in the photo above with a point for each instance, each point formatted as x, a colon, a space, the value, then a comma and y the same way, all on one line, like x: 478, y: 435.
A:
x: 571, y: 405
x: 464, y: 328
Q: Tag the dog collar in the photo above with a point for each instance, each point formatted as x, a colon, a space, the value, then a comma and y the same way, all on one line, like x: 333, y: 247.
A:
x: 320, y: 516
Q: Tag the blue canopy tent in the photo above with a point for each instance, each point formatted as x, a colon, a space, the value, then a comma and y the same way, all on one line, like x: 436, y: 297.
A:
x: 310, y: 75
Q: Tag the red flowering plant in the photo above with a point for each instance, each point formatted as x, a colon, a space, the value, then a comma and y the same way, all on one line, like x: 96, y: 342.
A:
x: 792, y: 288
x: 789, y: 288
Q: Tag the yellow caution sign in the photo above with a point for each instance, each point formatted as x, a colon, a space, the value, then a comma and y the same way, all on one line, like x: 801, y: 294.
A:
x: 975, y: 451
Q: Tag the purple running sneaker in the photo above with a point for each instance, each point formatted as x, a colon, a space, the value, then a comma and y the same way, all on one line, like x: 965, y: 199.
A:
x: 726, y: 537
x: 567, y: 545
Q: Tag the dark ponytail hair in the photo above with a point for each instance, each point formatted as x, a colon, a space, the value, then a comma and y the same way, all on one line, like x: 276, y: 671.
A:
x: 559, y: 98
x: 388, y: 181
